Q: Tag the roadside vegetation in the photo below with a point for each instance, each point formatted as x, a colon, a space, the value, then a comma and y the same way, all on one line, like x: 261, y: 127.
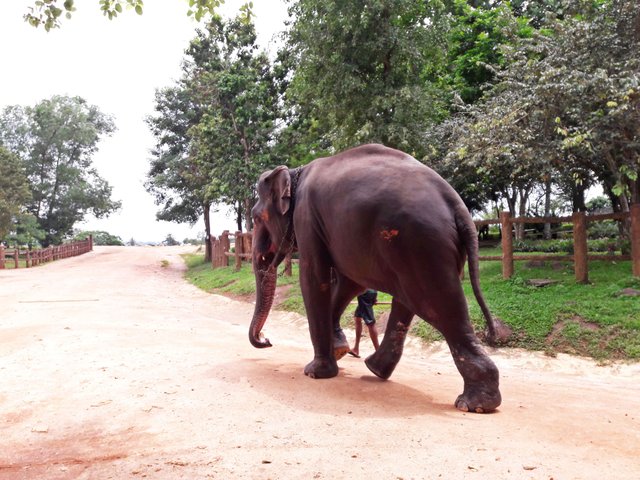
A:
x: 594, y: 320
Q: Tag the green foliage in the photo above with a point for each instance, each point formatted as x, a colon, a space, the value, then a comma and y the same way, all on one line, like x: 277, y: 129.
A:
x: 563, y: 107
x: 26, y: 232
x: 236, y: 83
x: 170, y: 241
x: 100, y: 237
x: 476, y: 39
x: 601, y: 245
x: 533, y: 312
x: 214, y: 128
x: 48, y: 13
x: 359, y: 70
x: 14, y: 190
x: 55, y: 140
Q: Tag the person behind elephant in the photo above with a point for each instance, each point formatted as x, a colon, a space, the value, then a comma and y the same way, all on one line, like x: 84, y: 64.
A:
x: 364, y: 312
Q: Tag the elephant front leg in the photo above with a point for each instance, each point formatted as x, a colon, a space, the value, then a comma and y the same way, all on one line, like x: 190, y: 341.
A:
x: 383, y: 362
x: 316, y: 291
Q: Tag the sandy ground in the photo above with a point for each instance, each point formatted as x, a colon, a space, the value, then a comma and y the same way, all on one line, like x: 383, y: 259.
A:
x: 112, y: 366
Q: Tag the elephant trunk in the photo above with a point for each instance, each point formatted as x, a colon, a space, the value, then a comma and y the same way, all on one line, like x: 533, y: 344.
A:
x: 265, y: 293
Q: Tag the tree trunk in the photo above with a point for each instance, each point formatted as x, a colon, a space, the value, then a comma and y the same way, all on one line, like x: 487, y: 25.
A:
x: 547, y: 207
x: 247, y: 215
x: 522, y: 211
x: 207, y: 231
x: 239, y: 216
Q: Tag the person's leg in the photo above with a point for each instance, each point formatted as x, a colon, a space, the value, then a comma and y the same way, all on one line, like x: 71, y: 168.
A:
x: 373, y: 334
x: 356, y: 345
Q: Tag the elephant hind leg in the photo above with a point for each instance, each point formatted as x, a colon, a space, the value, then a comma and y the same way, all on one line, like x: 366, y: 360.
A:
x: 481, y: 392
x: 383, y: 362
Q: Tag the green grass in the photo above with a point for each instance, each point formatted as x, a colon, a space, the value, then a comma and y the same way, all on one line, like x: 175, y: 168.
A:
x: 590, y: 320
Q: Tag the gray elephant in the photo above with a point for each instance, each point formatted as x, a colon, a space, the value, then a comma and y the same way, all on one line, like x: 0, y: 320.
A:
x: 374, y: 217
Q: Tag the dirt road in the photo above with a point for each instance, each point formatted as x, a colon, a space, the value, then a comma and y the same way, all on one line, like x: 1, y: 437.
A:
x: 112, y: 366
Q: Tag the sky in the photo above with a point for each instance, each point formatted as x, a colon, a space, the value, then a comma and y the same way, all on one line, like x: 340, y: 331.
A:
x: 116, y: 65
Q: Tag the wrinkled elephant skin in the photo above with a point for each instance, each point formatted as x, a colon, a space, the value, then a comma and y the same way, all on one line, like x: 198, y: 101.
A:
x: 374, y: 217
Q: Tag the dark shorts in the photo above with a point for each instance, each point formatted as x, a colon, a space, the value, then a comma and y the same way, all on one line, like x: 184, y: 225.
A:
x: 365, y: 307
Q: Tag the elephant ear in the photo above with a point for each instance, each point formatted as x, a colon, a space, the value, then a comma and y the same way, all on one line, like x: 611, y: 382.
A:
x: 280, y: 180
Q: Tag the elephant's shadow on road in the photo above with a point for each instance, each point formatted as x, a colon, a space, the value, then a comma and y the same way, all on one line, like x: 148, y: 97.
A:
x: 349, y: 393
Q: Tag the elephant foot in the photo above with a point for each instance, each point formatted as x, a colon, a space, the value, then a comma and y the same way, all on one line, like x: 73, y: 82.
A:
x: 321, y: 368
x: 340, y: 345
x: 478, y: 401
x: 381, y: 367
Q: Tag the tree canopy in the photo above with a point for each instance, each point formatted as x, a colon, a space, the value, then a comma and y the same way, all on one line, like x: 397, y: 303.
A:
x: 14, y: 189
x: 564, y: 106
x: 55, y: 141
x: 506, y: 100
x: 214, y: 127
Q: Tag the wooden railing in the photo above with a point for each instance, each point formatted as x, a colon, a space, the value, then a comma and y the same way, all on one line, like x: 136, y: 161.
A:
x: 221, y: 250
x: 31, y: 258
x: 580, y: 257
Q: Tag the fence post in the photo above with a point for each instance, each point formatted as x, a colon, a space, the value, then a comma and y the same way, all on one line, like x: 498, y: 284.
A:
x: 16, y: 258
x: 507, y: 245
x: 580, y: 261
x: 226, y: 247
x: 1, y: 257
x: 213, y: 241
x: 239, y: 247
x: 635, y: 239
x: 28, y: 258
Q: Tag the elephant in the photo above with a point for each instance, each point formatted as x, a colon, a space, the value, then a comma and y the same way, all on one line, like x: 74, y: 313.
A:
x: 374, y: 217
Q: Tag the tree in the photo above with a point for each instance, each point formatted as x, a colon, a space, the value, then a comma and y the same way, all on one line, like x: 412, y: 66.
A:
x: 361, y: 69
x: 177, y: 180
x: 55, y: 140
x: 170, y: 241
x: 566, y: 107
x: 234, y: 136
x: 213, y: 128
x: 14, y: 190
x: 475, y: 39
x: 100, y: 237
x: 49, y: 12
x: 26, y: 232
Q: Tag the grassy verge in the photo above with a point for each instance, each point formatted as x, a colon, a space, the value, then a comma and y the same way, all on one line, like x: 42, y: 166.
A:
x: 591, y: 320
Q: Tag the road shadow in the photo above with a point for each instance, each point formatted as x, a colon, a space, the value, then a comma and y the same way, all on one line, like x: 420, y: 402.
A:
x: 351, y: 392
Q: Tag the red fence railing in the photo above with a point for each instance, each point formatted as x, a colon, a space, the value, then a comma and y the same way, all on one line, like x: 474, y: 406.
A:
x: 31, y: 258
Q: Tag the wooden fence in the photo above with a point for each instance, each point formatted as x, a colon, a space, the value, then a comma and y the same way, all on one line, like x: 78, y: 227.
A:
x: 37, y: 257
x: 580, y: 257
x: 221, y: 246
x: 221, y: 250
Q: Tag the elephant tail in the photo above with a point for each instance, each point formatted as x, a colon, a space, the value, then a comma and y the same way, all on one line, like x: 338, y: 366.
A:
x: 467, y: 231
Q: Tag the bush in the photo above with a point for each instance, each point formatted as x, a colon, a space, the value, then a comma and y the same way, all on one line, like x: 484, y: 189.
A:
x: 604, y: 229
x: 608, y: 245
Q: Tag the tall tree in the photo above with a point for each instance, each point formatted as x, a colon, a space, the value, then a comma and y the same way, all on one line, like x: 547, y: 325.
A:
x: 361, y: 69
x: 214, y: 128
x: 55, y: 140
x: 14, y: 190
x: 236, y: 132
x: 565, y: 106
x: 176, y: 179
